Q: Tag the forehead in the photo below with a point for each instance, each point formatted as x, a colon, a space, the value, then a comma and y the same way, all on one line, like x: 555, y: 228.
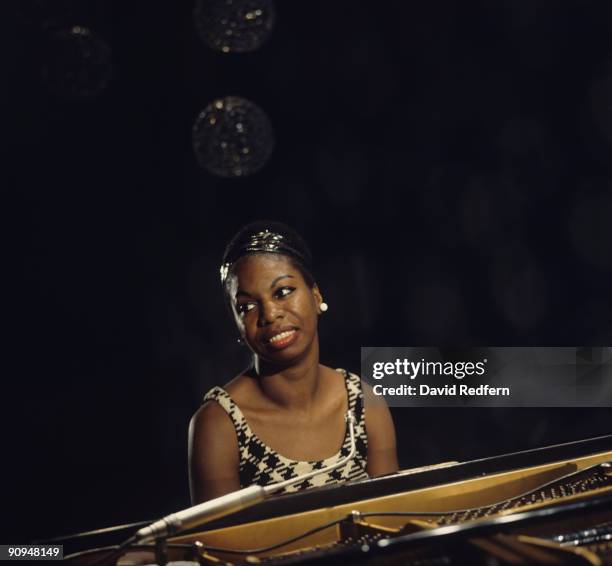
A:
x: 262, y: 269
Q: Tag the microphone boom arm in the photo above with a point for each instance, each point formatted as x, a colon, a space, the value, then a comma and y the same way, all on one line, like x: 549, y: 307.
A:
x: 233, y: 502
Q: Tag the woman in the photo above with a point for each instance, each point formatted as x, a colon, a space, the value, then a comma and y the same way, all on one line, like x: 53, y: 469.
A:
x: 285, y: 415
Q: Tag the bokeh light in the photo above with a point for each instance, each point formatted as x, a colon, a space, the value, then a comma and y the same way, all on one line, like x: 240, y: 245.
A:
x: 232, y: 137
x: 234, y: 26
x: 77, y: 63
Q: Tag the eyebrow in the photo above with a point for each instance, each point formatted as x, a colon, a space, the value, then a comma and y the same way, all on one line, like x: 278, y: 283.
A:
x: 241, y: 293
x: 278, y: 279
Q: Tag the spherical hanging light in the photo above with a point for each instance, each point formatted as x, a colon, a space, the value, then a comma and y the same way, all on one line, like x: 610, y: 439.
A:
x: 232, y: 137
x: 77, y: 63
x: 234, y: 26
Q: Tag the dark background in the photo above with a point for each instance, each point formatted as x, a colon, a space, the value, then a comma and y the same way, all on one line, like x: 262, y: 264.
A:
x: 448, y: 162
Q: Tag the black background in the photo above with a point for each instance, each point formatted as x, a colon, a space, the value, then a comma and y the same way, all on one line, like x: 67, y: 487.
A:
x: 448, y: 162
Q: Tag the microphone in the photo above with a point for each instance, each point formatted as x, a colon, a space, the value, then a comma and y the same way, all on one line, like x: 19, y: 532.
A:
x: 232, y: 502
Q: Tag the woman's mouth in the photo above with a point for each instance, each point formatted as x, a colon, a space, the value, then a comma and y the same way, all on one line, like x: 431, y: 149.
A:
x: 283, y: 339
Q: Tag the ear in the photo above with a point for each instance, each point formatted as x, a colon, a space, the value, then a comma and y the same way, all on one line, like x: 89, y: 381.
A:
x: 316, y: 292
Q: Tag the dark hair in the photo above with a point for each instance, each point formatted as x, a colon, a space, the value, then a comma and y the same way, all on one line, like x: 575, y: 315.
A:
x: 266, y: 236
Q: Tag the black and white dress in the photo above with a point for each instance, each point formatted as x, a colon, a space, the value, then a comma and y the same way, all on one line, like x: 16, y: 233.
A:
x: 261, y: 465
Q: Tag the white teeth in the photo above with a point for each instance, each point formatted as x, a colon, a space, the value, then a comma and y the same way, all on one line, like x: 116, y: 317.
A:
x: 282, y: 335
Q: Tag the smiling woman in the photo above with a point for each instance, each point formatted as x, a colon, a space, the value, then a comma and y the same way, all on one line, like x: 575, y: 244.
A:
x: 285, y: 415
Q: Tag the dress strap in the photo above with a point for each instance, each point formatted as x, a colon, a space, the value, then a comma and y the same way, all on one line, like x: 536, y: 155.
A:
x: 353, y: 388
x: 221, y: 396
x: 355, y: 403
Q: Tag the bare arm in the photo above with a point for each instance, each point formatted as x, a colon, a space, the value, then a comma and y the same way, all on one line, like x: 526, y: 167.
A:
x: 382, y: 451
x: 213, y: 454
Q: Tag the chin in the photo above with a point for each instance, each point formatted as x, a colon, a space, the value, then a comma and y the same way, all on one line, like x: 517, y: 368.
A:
x: 284, y: 357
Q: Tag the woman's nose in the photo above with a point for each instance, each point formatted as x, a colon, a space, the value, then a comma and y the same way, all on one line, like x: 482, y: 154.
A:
x: 268, y: 313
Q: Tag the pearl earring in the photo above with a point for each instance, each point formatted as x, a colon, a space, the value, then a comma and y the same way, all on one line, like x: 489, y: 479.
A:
x: 240, y: 341
x: 323, y: 307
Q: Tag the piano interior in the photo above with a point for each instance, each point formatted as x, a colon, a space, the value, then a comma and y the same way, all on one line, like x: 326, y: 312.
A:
x: 493, y: 511
x: 580, y: 537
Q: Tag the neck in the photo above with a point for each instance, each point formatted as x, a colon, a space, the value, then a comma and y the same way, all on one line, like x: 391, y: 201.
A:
x: 293, y: 387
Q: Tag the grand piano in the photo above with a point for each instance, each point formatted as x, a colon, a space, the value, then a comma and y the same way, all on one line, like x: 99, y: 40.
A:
x: 549, y: 505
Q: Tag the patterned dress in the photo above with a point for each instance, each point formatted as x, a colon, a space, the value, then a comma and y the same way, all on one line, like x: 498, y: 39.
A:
x: 259, y: 464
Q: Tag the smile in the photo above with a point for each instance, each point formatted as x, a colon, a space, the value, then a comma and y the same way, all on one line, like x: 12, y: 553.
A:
x: 283, y: 339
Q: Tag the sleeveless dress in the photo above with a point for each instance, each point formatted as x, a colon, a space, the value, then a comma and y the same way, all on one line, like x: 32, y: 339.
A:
x: 261, y: 465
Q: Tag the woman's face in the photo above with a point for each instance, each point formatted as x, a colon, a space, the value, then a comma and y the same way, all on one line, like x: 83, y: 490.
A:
x: 275, y: 310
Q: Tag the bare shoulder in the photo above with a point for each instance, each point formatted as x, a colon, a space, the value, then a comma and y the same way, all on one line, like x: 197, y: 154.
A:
x: 369, y: 398
x: 211, y: 415
x: 376, y: 409
x: 382, y: 451
x: 211, y: 431
x: 211, y: 428
x: 212, y: 452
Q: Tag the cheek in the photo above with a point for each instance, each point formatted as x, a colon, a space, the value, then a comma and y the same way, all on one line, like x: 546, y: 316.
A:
x: 308, y: 309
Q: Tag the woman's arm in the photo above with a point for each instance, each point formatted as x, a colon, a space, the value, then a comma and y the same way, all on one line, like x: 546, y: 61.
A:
x: 382, y: 451
x: 213, y: 454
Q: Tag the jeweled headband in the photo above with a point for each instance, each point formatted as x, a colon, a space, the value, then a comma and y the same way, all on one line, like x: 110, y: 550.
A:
x: 269, y: 237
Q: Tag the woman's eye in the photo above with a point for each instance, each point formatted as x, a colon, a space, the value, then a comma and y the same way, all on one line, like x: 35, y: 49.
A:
x: 284, y: 291
x: 244, y: 308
